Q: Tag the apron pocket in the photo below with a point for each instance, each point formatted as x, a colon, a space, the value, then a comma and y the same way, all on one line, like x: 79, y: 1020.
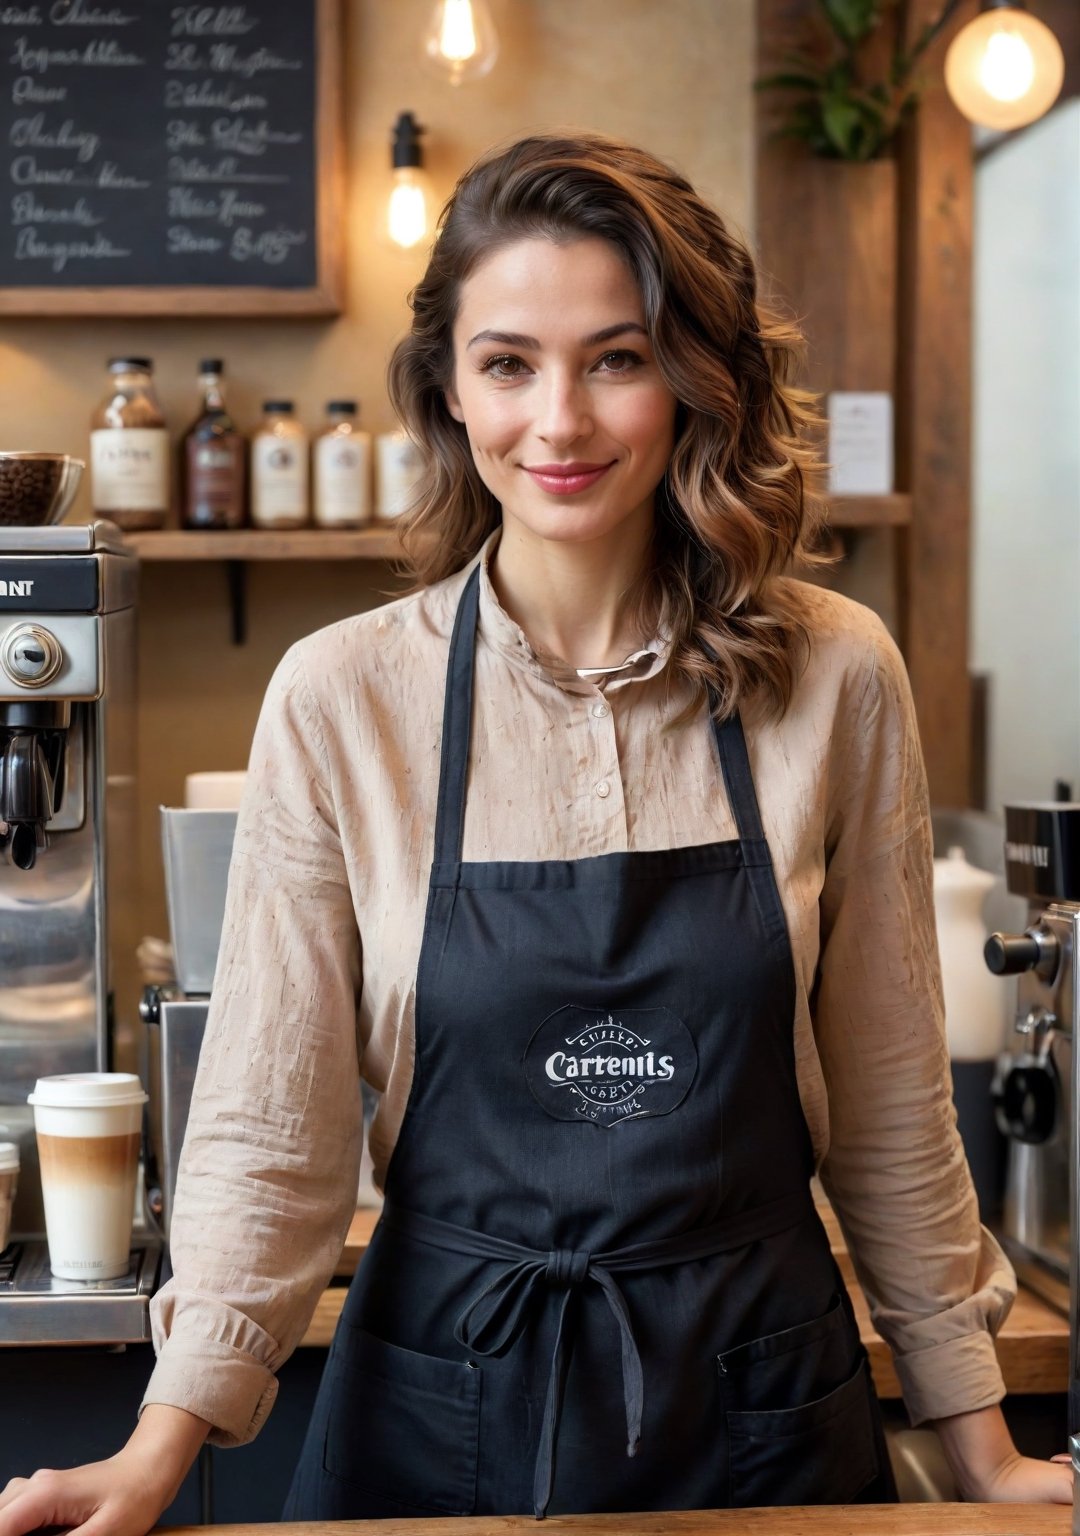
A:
x: 795, y: 1365
x: 404, y: 1426
x: 823, y: 1452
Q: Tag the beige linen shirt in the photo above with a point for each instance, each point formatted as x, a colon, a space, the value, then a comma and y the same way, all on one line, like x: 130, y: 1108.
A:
x: 327, y: 888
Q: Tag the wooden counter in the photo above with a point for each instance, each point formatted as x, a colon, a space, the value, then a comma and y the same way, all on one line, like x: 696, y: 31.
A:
x: 850, y: 1520
x: 1033, y: 1346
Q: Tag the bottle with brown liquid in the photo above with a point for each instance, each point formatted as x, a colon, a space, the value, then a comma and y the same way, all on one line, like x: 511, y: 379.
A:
x: 212, y: 459
x: 129, y: 449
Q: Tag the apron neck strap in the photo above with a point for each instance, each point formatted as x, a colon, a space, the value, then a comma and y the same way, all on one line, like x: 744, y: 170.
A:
x: 738, y: 780
x: 457, y: 731
x: 457, y: 727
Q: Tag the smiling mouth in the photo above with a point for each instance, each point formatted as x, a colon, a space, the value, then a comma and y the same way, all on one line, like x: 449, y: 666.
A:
x: 566, y: 479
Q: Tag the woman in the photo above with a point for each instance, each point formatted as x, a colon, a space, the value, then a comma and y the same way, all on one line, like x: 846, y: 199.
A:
x: 627, y: 835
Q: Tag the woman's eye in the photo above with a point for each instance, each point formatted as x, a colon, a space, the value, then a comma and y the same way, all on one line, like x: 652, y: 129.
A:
x: 619, y: 362
x: 503, y: 367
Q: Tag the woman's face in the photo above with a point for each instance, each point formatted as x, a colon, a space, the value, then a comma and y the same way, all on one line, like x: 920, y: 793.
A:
x: 570, y: 424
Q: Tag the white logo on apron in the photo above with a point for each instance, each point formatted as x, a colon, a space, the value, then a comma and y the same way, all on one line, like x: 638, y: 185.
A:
x: 585, y: 1064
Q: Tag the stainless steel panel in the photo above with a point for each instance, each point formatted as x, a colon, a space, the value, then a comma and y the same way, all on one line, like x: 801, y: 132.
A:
x: 37, y: 1308
x: 69, y: 539
x: 180, y: 1034
x: 80, y: 636
x: 197, y: 847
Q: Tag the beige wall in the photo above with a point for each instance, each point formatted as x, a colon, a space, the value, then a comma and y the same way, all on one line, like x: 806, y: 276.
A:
x: 673, y: 75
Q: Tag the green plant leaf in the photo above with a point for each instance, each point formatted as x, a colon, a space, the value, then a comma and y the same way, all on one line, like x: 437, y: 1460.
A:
x: 842, y: 121
x: 851, y: 20
x: 838, y: 77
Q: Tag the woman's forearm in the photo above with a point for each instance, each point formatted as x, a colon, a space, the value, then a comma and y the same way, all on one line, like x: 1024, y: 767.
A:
x: 168, y: 1440
x: 977, y: 1447
x: 989, y: 1469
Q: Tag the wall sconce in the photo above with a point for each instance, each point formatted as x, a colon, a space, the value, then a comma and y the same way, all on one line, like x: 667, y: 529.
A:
x: 408, y: 219
x: 1005, y: 68
x: 460, y: 42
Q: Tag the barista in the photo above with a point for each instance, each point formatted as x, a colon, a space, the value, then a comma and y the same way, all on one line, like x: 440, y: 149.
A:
x: 626, y: 834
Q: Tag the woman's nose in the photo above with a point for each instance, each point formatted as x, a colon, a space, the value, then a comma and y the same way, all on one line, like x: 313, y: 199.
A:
x: 565, y: 410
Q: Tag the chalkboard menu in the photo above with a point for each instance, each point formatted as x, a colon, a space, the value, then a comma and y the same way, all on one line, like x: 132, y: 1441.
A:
x: 169, y: 158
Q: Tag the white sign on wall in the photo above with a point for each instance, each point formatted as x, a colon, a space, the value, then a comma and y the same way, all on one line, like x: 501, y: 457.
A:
x: 860, y: 444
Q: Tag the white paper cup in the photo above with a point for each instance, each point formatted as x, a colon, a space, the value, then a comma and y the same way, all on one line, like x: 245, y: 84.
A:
x: 9, y: 1179
x: 88, y: 1126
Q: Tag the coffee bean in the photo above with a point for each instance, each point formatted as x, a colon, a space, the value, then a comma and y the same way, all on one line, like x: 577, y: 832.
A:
x: 28, y: 490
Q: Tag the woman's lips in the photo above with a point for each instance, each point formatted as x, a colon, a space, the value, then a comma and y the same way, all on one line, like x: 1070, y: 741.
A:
x: 565, y: 479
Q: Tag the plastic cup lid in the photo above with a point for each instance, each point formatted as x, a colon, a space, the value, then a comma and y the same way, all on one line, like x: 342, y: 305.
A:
x: 9, y: 1157
x: 88, y: 1090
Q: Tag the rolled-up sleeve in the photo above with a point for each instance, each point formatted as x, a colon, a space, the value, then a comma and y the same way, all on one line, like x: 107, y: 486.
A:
x: 268, y: 1174
x: 937, y: 1283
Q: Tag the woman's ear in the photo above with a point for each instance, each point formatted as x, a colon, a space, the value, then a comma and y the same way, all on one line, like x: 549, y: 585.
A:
x: 453, y: 404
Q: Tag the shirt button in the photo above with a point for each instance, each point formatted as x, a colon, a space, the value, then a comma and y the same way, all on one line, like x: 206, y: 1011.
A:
x: 599, y: 711
x: 603, y: 789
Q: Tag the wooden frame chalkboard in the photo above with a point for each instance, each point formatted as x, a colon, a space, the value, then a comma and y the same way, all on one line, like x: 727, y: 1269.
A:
x: 193, y: 151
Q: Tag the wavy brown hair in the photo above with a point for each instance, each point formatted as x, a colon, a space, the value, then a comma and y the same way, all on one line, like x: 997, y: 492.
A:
x: 736, y: 505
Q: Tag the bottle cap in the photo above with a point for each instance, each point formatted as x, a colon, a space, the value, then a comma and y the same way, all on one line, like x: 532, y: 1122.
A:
x: 129, y: 364
x: 211, y: 365
x: 343, y: 407
x: 277, y: 407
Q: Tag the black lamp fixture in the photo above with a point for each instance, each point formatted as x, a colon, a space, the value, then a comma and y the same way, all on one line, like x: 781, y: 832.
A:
x: 409, y: 215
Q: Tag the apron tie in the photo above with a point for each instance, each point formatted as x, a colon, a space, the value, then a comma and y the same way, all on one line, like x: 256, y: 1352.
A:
x: 498, y: 1313
x: 494, y: 1317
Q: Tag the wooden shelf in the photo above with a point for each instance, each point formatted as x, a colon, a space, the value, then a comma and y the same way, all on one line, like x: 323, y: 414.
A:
x: 869, y: 511
x: 264, y: 544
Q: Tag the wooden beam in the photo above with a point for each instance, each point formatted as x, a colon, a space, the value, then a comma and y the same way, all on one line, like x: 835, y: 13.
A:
x: 934, y: 415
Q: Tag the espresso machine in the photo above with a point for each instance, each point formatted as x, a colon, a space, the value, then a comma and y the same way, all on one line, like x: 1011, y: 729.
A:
x: 67, y: 886
x: 1034, y: 1087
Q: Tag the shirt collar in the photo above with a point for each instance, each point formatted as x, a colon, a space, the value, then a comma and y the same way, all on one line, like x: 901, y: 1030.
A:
x: 512, y: 643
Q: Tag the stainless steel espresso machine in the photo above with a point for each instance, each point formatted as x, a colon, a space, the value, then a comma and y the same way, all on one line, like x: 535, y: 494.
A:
x: 67, y: 884
x: 1034, y: 1088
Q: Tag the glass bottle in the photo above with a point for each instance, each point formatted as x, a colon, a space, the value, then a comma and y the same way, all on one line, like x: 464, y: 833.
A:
x: 398, y: 467
x: 212, y: 459
x: 342, y: 459
x: 129, y: 449
x: 279, y: 469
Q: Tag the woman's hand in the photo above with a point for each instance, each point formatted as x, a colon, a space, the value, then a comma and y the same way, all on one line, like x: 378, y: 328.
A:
x: 990, y: 1470
x: 1023, y: 1480
x: 121, y: 1496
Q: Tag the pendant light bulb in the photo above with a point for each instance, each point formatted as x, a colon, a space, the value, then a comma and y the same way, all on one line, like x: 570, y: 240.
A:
x: 408, y: 220
x: 1004, y: 69
x: 460, y: 42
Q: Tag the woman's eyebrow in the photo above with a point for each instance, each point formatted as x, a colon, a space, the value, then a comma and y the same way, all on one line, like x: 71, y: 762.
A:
x: 514, y: 339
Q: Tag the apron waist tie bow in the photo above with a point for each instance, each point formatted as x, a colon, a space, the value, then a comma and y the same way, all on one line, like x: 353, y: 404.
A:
x: 498, y: 1313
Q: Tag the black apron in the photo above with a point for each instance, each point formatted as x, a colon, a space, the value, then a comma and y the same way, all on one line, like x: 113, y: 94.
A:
x: 599, y: 1282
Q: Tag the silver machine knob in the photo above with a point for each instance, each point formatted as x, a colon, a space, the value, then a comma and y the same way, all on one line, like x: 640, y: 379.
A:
x: 30, y: 655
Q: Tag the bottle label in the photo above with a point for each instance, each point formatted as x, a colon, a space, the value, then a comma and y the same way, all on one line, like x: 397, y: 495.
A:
x: 129, y: 469
x: 216, y: 482
x: 278, y: 479
x: 399, y: 467
x: 342, y: 480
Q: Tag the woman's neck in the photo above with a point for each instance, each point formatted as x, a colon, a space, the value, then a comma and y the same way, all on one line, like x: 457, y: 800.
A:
x: 572, y: 600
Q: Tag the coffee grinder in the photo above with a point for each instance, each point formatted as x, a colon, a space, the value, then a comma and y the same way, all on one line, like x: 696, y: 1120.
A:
x: 67, y: 883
